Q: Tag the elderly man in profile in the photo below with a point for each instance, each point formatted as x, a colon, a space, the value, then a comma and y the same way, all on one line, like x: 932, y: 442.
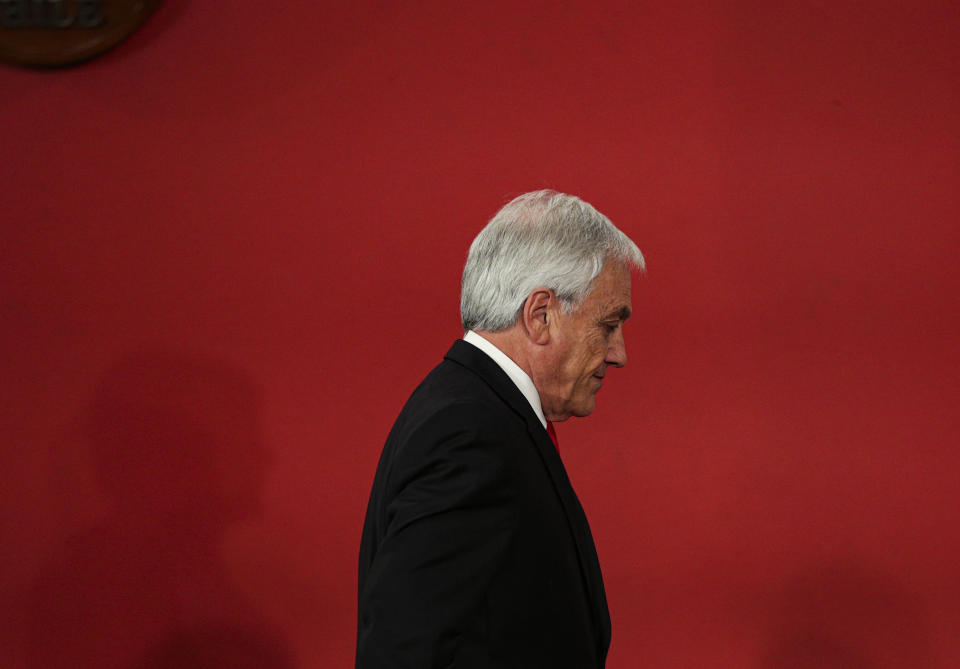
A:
x: 475, y: 551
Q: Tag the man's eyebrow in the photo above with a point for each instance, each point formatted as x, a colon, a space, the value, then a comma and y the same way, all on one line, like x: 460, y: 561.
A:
x: 621, y: 313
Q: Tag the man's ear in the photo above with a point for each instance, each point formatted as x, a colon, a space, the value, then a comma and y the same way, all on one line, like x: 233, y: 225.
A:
x: 537, y: 315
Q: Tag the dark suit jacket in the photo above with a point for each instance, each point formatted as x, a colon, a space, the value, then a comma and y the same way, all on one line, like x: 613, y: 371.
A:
x: 475, y: 550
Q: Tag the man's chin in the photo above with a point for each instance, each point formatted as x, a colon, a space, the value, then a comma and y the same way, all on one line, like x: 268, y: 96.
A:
x: 579, y: 409
x: 583, y: 410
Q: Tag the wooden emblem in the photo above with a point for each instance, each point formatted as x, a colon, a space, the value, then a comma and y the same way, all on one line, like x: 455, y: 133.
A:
x: 55, y: 33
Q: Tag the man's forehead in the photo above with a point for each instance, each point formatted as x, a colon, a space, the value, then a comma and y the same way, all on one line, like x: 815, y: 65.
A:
x: 616, y: 301
x: 610, y: 294
x: 613, y: 303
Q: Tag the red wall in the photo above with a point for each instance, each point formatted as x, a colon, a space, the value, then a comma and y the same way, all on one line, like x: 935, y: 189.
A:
x: 231, y: 248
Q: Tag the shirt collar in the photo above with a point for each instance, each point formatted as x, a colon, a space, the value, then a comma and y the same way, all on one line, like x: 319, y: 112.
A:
x: 519, y: 377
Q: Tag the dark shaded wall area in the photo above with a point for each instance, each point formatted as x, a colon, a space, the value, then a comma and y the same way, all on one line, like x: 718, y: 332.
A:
x: 231, y: 247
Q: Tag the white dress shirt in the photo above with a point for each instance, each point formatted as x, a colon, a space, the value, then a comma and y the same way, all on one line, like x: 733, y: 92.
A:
x: 519, y: 377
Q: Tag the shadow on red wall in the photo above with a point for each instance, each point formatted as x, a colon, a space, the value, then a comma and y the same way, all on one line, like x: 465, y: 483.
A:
x: 175, y: 439
x: 845, y: 617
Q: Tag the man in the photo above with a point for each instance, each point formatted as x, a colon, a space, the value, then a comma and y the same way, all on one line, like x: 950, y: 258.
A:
x: 475, y: 550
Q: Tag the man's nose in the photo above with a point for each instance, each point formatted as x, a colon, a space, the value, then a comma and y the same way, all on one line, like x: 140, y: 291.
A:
x: 617, y: 351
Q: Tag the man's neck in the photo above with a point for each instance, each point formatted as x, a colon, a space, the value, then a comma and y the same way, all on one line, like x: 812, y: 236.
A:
x: 512, y: 343
x: 519, y: 376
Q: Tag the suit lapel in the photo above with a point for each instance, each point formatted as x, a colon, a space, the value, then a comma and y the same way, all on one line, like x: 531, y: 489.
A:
x: 577, y: 519
x: 480, y: 363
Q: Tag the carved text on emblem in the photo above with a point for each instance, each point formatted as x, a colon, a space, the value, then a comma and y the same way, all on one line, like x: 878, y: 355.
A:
x: 56, y: 14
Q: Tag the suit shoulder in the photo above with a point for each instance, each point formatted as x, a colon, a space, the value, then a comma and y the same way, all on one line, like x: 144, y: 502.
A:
x: 453, y: 392
x: 453, y: 411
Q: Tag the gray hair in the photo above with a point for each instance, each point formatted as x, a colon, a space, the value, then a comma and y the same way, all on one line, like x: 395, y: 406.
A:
x: 542, y: 239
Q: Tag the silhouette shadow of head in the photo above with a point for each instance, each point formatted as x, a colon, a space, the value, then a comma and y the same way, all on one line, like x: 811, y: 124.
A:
x: 176, y: 443
x: 176, y: 436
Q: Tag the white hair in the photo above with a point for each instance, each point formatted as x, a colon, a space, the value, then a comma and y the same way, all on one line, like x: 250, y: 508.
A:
x: 542, y: 239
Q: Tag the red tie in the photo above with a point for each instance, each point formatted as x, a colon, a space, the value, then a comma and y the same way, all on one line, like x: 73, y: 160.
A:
x: 553, y: 435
